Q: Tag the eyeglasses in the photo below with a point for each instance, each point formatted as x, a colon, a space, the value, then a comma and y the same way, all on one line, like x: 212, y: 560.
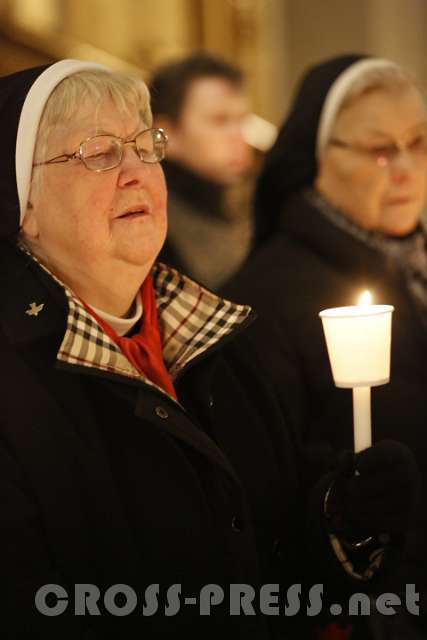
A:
x: 385, y: 155
x: 103, y: 152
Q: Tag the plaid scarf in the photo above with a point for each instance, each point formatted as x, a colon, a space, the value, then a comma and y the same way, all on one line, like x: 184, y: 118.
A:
x: 191, y: 320
x: 144, y: 348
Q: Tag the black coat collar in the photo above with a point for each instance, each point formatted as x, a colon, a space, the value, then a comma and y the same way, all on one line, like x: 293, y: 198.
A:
x: 307, y: 226
x: 23, y: 282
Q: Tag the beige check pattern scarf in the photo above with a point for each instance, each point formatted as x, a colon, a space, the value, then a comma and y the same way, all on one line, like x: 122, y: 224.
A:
x: 191, y: 321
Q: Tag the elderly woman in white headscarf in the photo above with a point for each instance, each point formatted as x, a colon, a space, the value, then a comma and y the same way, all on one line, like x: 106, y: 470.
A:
x: 144, y: 465
x: 338, y: 206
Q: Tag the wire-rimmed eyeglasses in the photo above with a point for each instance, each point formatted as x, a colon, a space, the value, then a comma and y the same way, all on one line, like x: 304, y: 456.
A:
x: 385, y: 155
x: 104, y: 151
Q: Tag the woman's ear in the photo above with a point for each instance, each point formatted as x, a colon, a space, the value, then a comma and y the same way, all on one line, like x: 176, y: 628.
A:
x: 29, y: 225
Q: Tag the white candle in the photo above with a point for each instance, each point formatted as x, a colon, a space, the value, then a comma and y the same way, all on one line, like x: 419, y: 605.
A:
x: 358, y: 339
x: 362, y: 431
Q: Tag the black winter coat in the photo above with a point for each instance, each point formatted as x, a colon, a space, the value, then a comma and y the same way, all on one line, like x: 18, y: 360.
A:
x: 105, y: 481
x: 309, y: 265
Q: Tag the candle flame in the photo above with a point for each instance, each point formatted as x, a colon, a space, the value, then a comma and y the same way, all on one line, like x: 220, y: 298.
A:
x: 365, y: 299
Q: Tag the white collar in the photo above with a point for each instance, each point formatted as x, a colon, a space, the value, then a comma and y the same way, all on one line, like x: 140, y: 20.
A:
x: 122, y: 325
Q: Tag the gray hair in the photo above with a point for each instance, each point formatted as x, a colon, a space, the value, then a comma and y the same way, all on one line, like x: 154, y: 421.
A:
x: 127, y: 93
x: 391, y: 79
x: 363, y: 76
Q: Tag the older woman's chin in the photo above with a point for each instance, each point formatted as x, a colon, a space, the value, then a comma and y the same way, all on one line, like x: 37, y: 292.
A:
x: 400, y: 225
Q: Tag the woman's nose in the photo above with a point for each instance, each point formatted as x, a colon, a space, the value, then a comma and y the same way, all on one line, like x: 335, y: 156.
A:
x: 404, y: 163
x: 132, y: 169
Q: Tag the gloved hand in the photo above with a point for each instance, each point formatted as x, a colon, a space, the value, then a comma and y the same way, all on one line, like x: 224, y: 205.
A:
x: 375, y: 491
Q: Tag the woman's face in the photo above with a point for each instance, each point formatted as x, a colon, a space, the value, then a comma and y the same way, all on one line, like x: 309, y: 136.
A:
x: 389, y: 198
x: 78, y: 218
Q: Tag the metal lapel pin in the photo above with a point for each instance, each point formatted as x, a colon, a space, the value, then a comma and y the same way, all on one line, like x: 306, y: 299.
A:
x: 34, y: 309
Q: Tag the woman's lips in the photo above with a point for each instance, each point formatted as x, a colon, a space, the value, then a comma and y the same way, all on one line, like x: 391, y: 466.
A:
x: 134, y: 213
x: 400, y: 200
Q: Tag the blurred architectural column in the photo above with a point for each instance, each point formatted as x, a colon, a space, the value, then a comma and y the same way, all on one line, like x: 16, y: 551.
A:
x: 99, y: 22
x: 320, y: 30
x: 397, y: 30
x: 166, y: 29
x: 35, y: 14
x: 252, y: 33
x: 144, y: 33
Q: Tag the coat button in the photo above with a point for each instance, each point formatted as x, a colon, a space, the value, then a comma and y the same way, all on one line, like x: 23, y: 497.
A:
x: 161, y: 412
x: 210, y: 401
x: 236, y: 524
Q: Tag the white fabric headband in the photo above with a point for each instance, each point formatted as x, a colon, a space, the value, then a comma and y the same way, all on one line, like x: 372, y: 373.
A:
x: 30, y: 118
x: 337, y: 93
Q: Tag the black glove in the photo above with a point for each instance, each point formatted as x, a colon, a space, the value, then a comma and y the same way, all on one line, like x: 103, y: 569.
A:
x: 375, y: 491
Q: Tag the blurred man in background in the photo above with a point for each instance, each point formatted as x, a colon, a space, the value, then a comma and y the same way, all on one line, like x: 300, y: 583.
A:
x: 200, y: 102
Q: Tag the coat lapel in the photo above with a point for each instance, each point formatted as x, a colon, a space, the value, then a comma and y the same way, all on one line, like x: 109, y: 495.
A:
x: 27, y: 283
x: 50, y: 426
x: 68, y: 471
x: 184, y: 429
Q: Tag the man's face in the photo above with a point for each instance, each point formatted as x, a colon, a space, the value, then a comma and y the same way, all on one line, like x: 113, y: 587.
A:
x: 208, y: 138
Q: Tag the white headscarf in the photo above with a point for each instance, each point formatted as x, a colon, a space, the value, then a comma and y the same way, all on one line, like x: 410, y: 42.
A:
x: 30, y: 117
x: 338, y: 92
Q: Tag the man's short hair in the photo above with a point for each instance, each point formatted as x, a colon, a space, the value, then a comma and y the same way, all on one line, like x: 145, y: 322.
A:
x: 170, y: 83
